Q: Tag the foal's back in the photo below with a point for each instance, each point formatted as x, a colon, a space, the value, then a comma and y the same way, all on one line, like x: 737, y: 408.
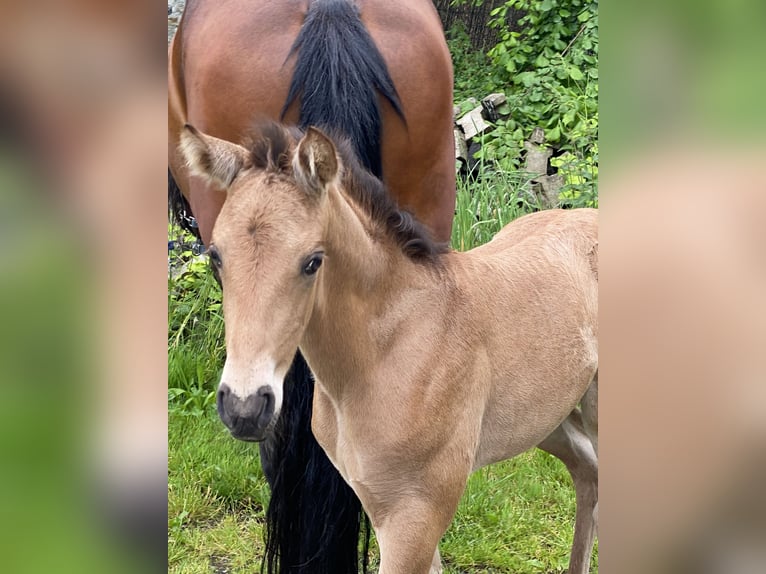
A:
x: 536, y: 310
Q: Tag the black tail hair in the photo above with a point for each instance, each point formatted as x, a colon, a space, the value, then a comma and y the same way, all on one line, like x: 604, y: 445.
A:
x: 314, y: 519
x: 338, y: 75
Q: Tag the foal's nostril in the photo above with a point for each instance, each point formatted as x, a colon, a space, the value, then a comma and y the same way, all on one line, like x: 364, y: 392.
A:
x: 266, y: 395
x: 222, y: 398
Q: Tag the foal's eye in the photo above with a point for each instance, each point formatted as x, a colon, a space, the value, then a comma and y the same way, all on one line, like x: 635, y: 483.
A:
x: 313, y: 263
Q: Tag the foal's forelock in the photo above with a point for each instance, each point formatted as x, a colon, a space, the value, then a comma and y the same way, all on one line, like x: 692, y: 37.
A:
x: 272, y: 145
x: 272, y: 148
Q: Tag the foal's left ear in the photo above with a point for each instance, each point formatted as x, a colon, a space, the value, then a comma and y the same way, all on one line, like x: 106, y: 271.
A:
x: 316, y: 162
x: 216, y: 160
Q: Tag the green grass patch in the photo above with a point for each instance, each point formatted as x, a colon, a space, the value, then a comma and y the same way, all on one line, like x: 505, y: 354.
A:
x: 516, y: 516
x: 485, y: 205
x: 216, y: 498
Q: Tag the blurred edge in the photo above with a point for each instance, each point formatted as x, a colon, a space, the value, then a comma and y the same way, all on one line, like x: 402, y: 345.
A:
x: 83, y: 266
x: 683, y: 285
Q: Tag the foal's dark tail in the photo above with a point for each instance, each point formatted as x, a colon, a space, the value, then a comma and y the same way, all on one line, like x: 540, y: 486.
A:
x: 314, y: 519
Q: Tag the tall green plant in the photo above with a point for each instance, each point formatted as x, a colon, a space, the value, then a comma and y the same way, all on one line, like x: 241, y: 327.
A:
x: 195, y: 333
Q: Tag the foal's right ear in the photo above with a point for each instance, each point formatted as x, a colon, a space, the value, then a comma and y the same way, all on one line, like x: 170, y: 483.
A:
x: 316, y: 162
x: 216, y: 160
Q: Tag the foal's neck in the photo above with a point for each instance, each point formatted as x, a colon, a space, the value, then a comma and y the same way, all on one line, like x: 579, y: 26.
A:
x: 365, y: 283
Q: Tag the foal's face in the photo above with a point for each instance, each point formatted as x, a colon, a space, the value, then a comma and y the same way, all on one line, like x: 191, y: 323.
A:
x: 267, y: 248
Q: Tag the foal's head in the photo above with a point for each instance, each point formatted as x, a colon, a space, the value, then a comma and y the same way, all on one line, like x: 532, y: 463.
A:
x: 267, y: 248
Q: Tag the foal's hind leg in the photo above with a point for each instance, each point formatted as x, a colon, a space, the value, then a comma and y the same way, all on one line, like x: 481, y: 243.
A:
x: 436, y: 564
x: 589, y: 404
x: 570, y: 443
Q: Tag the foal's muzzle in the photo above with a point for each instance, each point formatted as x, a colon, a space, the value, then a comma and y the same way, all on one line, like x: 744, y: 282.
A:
x: 247, y: 419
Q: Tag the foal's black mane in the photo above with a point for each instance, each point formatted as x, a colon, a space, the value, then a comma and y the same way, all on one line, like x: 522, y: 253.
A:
x: 271, y: 149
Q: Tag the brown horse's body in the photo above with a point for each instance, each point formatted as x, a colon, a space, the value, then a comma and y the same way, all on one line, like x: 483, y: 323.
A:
x: 429, y: 365
x: 229, y: 65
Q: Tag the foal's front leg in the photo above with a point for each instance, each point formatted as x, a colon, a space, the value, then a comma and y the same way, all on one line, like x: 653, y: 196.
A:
x: 410, y: 511
x: 409, y: 536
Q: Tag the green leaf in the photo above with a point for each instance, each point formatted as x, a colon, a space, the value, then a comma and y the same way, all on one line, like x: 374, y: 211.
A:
x: 575, y: 74
x: 525, y: 78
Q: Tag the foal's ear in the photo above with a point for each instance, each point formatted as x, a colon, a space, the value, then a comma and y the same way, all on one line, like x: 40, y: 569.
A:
x: 213, y: 159
x: 316, y: 162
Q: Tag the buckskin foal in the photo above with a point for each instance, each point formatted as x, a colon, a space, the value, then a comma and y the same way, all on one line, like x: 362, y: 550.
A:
x: 429, y: 363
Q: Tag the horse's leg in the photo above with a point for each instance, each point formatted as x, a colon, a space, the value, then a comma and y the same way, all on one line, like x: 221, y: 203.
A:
x: 436, y: 563
x: 408, y: 537
x: 313, y: 517
x: 589, y: 404
x: 570, y: 443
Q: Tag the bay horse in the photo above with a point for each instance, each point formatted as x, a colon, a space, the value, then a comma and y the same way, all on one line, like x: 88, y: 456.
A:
x: 378, y: 71
x: 429, y: 363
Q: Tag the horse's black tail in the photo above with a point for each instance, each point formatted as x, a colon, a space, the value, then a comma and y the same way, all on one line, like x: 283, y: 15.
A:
x: 314, y: 518
x: 339, y: 73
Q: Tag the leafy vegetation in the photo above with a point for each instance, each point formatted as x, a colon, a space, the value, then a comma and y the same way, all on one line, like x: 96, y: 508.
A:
x: 474, y: 77
x: 195, y: 332
x: 546, y: 62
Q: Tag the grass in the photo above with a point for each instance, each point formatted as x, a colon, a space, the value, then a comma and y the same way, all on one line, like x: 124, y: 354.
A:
x: 216, y: 497
x: 515, y: 517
